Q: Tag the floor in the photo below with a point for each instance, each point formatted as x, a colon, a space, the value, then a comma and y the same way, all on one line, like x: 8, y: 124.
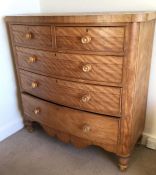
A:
x: 38, y: 154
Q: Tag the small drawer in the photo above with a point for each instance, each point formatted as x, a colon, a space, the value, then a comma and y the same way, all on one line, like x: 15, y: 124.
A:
x: 85, y: 125
x: 93, y: 98
x: 32, y: 36
x: 106, y: 69
x: 100, y: 39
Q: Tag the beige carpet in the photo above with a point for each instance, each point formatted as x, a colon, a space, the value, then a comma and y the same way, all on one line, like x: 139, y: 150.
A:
x: 38, y: 154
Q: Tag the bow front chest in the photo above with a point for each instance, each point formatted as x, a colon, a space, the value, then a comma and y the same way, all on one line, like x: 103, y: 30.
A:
x: 84, y: 78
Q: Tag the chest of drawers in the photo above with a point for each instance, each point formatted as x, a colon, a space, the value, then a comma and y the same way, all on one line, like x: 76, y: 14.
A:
x: 84, y: 78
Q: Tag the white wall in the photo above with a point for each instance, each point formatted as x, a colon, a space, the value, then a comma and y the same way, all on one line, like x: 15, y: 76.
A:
x: 115, y: 5
x: 96, y: 5
x: 10, y: 117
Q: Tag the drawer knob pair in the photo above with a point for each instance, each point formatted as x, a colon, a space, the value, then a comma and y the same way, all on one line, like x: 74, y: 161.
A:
x: 86, y: 39
x: 86, y: 128
x: 34, y: 85
x: 85, y: 98
x: 28, y: 35
x: 36, y: 111
x: 31, y: 59
x: 87, y: 68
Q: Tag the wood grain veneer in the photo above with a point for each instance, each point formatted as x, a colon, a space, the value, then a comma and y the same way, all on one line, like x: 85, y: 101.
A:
x: 102, y: 38
x: 88, y: 75
x: 40, y: 36
x: 87, y: 18
x: 103, y: 100
x: 106, y: 69
x: 100, y: 128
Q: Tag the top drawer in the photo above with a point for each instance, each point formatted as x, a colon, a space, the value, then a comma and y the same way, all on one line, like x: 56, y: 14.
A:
x: 32, y: 36
x: 100, y: 39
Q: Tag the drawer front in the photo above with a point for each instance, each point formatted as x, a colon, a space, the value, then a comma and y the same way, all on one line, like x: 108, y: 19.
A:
x: 99, y: 99
x: 32, y: 36
x: 101, y: 39
x: 85, y: 67
x: 78, y: 123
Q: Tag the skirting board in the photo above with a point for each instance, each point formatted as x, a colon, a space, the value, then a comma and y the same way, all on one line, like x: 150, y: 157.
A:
x: 10, y: 128
x: 148, y: 141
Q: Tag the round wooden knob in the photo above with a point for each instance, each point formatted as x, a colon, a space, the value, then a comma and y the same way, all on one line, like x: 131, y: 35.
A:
x: 85, y: 98
x: 85, y: 39
x: 87, y: 68
x: 36, y: 111
x: 28, y: 35
x: 34, y: 84
x: 86, y: 128
x: 31, y: 59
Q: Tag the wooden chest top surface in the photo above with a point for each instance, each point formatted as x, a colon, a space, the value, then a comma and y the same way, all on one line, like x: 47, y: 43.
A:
x: 98, y: 17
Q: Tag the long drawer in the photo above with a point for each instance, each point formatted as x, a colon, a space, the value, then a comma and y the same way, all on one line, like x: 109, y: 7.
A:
x: 94, y: 98
x: 100, y: 39
x: 85, y: 67
x: 78, y: 123
x: 32, y: 36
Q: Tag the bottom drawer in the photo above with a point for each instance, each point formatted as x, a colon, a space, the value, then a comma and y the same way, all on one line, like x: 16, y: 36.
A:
x: 93, y: 127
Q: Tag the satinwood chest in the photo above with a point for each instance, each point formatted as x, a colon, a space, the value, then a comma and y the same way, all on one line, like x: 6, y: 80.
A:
x: 84, y: 77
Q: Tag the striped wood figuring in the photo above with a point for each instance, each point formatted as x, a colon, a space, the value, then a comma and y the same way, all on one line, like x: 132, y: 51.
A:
x: 102, y: 38
x: 106, y: 69
x: 40, y: 36
x: 103, y: 100
x: 76, y: 121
